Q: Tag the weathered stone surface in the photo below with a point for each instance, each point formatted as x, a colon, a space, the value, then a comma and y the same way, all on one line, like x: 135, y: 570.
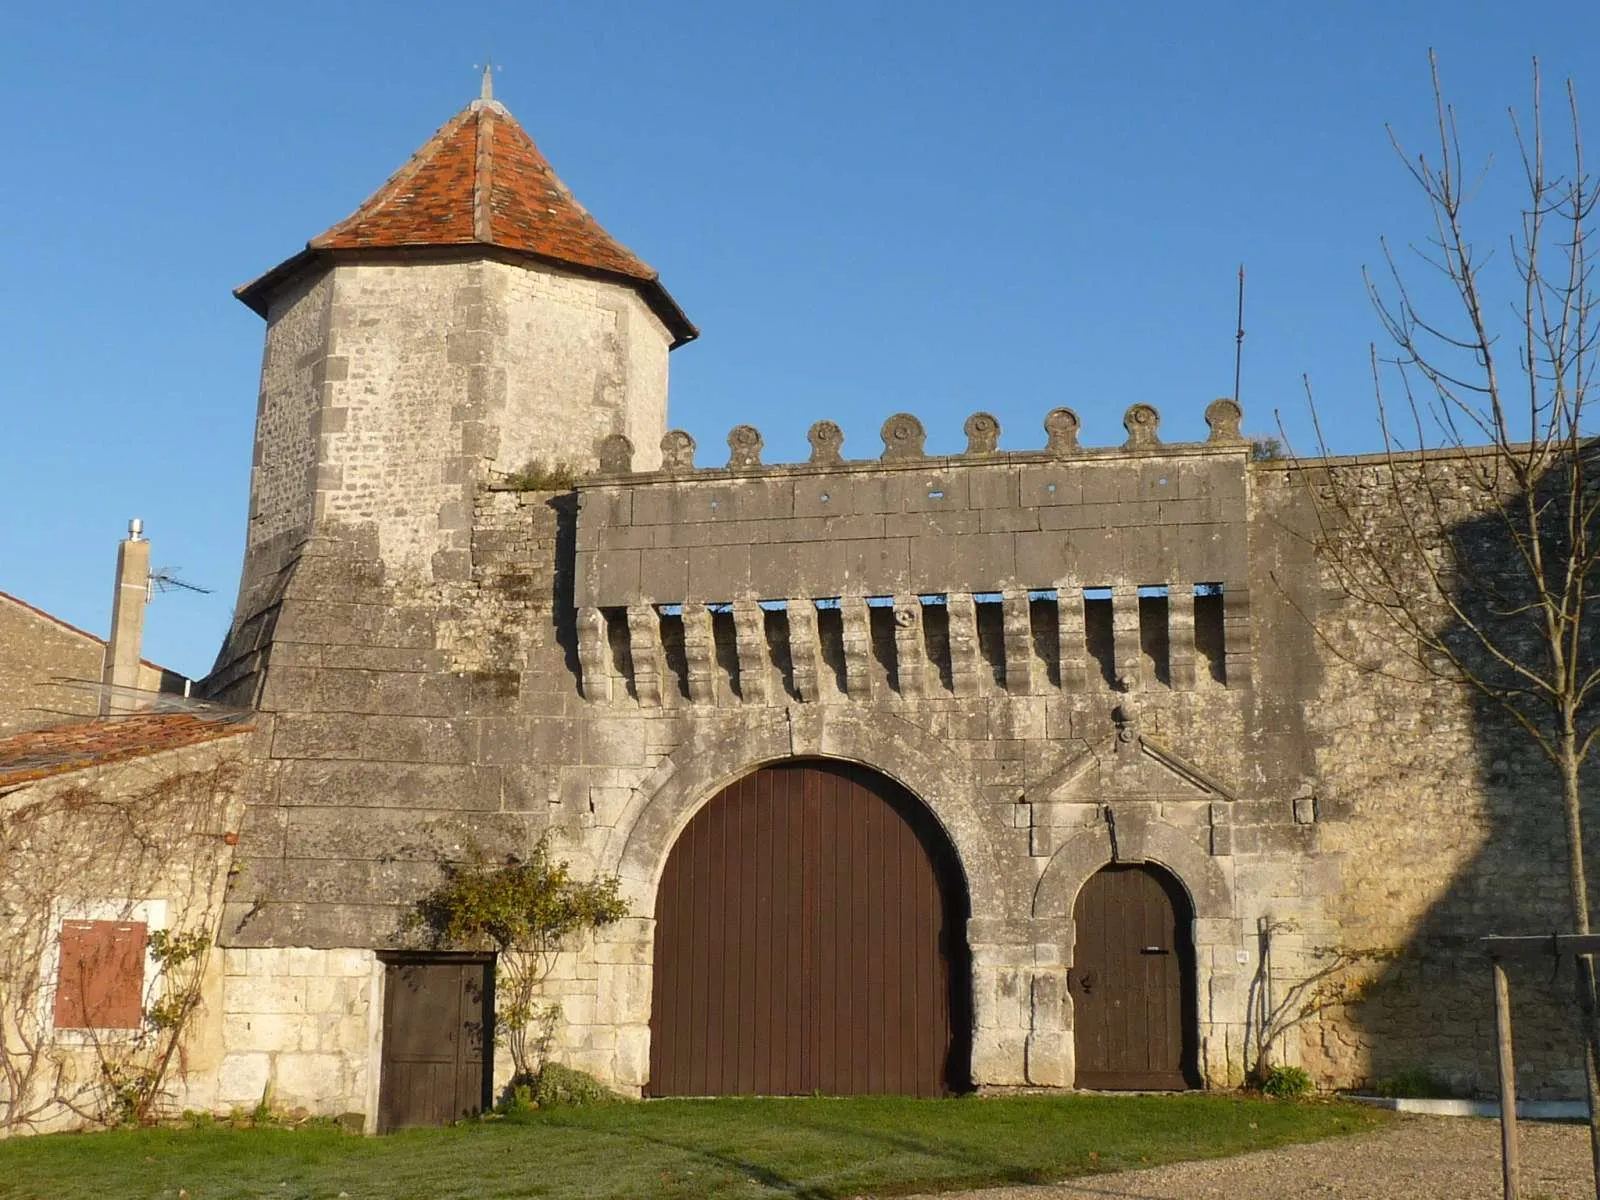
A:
x: 441, y: 664
x: 983, y: 433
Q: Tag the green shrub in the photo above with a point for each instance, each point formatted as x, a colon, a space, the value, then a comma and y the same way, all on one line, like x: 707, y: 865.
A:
x: 539, y: 476
x: 1265, y: 449
x: 556, y: 1086
x: 1412, y: 1083
x: 517, y: 1098
x: 1287, y: 1083
x: 528, y: 909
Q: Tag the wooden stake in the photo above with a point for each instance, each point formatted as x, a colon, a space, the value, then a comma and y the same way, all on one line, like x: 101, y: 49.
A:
x: 1508, y: 1081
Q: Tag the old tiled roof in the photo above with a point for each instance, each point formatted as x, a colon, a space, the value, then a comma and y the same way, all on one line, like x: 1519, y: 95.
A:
x: 480, y: 181
x: 25, y: 757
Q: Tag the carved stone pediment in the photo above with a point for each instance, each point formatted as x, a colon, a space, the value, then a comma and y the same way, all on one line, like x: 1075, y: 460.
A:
x: 1136, y: 767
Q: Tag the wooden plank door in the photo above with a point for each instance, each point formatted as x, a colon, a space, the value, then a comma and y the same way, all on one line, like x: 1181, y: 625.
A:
x: 1133, y: 982
x: 810, y: 937
x: 435, y: 1056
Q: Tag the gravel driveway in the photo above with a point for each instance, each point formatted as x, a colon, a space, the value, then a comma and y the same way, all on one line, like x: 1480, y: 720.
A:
x: 1417, y: 1158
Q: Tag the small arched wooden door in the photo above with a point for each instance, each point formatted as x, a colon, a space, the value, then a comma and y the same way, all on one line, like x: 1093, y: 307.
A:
x: 1133, y: 987
x: 810, y: 937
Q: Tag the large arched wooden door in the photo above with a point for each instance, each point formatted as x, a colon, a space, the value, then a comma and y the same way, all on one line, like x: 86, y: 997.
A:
x: 810, y: 937
x: 1135, y: 1022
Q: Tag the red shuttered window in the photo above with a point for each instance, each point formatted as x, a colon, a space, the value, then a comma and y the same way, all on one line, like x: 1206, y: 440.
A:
x: 100, y: 976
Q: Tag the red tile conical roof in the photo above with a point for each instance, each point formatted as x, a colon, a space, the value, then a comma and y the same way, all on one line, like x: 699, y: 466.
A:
x: 480, y: 180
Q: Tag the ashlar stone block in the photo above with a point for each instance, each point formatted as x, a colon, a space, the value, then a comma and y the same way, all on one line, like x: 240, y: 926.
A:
x: 311, y: 1080
x: 242, y: 1078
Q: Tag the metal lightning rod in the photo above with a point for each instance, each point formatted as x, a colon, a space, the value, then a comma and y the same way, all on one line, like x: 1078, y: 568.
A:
x: 1238, y: 340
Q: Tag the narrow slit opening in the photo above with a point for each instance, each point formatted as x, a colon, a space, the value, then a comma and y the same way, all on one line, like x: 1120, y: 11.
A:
x: 1044, y: 622
x: 1155, y: 639
x: 1099, y: 637
x: 1210, y: 643
x: 775, y: 629
x: 830, y: 640
x: 936, y: 637
x: 991, y: 621
x: 880, y: 631
x: 670, y: 617
x: 725, y: 648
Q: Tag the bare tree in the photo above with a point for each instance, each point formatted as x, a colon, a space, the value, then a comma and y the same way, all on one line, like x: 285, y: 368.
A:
x: 1325, y: 977
x: 1474, y: 533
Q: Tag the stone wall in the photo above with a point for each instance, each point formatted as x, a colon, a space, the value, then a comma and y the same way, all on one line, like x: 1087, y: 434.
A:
x: 1028, y: 641
x: 294, y: 377
x: 560, y: 336
x: 1442, y: 821
x: 36, y: 650
x: 300, y: 1027
x: 913, y: 525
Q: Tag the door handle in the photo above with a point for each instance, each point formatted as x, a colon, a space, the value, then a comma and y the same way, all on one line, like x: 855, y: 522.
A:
x: 1155, y: 950
x: 1086, y: 982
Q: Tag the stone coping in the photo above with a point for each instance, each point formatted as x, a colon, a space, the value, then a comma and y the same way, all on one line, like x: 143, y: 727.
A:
x: 904, y: 439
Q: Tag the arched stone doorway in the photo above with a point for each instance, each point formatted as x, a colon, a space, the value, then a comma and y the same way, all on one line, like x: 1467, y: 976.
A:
x: 810, y: 936
x: 1133, y: 981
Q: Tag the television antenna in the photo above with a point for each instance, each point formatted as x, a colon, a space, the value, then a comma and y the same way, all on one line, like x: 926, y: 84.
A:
x: 165, y: 579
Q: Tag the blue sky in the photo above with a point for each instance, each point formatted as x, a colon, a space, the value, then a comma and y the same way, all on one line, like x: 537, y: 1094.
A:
x: 866, y: 207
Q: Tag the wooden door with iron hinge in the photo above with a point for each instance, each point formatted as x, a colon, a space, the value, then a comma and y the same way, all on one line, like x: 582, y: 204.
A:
x: 1132, y: 982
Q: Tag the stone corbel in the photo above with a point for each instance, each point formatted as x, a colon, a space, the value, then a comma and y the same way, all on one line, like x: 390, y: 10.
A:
x: 698, y: 654
x: 1018, y: 628
x: 1180, y: 637
x: 1125, y: 636
x: 963, y: 625
x: 803, y: 648
x: 910, y: 653
x: 857, y: 647
x: 1236, y: 635
x: 644, y: 644
x: 594, y: 652
x: 1070, y: 646
x: 750, y: 643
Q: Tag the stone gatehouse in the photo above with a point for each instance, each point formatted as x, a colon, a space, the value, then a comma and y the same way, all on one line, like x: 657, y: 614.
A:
x: 1020, y: 766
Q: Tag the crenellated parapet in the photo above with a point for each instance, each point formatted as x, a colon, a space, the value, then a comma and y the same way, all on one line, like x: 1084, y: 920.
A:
x: 916, y: 575
x: 905, y: 439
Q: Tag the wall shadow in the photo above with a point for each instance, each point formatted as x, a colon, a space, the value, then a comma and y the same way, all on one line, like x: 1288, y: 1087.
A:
x: 1427, y: 1020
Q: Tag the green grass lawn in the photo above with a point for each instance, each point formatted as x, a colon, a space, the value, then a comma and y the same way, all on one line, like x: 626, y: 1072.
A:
x: 814, y: 1149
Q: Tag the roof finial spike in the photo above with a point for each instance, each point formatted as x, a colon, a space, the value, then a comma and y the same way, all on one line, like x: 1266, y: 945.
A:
x: 487, y: 92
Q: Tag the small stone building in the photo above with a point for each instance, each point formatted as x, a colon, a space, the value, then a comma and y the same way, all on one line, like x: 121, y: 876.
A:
x: 41, y: 657
x: 114, y: 835
x: 1032, y: 765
